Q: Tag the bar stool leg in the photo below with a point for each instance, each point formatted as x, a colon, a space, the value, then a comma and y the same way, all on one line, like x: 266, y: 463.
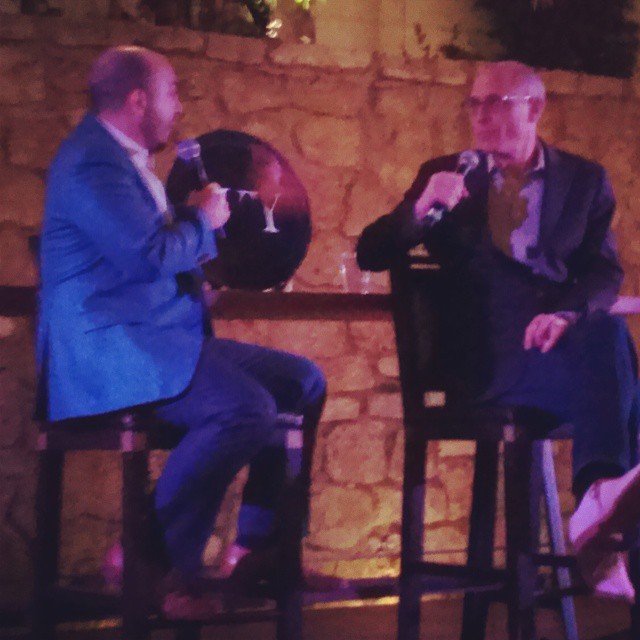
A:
x: 136, y: 596
x: 522, y: 515
x: 188, y: 632
x: 289, y: 587
x: 481, y: 536
x: 300, y: 437
x: 413, y: 496
x: 289, y: 621
x: 47, y: 542
x: 299, y: 448
x: 556, y: 536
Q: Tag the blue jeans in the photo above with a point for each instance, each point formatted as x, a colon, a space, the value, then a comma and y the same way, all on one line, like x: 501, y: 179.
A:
x: 590, y: 380
x: 229, y: 415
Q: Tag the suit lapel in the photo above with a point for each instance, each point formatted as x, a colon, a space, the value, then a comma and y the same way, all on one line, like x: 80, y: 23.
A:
x: 558, y: 176
x: 478, y: 183
x: 123, y: 157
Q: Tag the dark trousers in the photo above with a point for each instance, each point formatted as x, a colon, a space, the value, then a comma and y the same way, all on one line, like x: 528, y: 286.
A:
x: 590, y: 380
x: 229, y: 414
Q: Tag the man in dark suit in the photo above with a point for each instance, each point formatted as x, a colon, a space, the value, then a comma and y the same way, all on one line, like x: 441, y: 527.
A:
x: 121, y: 319
x: 526, y: 244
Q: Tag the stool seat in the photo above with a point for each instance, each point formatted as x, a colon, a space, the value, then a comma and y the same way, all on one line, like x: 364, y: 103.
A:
x: 117, y: 431
x: 487, y: 423
x: 130, y: 430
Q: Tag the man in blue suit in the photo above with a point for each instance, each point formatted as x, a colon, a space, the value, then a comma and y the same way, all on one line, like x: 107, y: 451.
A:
x: 121, y: 318
x: 525, y: 241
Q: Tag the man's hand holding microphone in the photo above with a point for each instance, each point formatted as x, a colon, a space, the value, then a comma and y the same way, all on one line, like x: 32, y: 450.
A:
x: 445, y: 190
x: 212, y: 200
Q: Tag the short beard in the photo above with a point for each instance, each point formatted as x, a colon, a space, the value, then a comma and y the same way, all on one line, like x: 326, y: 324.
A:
x: 149, y: 129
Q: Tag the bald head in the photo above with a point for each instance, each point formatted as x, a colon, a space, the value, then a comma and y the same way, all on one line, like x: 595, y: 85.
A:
x: 136, y: 91
x: 513, y: 78
x: 119, y: 71
x: 506, y: 102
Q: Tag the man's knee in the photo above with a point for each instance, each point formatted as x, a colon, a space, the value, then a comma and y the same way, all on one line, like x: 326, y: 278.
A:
x: 262, y: 408
x: 602, y: 327
x: 256, y: 415
x: 314, y: 383
x: 599, y: 335
x: 601, y: 350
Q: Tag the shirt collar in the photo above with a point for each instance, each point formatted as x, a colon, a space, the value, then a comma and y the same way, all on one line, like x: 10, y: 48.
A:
x: 538, y: 164
x: 136, y: 151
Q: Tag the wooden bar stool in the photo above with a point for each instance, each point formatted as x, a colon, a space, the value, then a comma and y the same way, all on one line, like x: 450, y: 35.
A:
x: 525, y: 437
x: 134, y: 434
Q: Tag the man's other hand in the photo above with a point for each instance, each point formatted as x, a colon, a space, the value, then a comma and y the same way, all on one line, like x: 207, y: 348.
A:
x: 213, y: 201
x: 446, y: 188
x: 544, y: 331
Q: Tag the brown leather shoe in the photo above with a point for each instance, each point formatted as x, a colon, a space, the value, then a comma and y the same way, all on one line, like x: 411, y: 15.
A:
x: 322, y: 583
x: 194, y: 598
x: 230, y: 559
x: 179, y: 605
x: 259, y: 573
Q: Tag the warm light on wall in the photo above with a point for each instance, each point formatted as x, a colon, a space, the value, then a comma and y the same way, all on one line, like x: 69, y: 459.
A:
x: 305, y: 4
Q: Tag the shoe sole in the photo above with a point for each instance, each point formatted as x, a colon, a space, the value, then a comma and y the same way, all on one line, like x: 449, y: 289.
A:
x: 625, y: 509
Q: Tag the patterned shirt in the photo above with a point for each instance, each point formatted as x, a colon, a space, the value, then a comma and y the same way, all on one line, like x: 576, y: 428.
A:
x: 515, y: 204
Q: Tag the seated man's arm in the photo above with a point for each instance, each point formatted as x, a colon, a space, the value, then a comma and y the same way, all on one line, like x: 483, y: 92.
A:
x: 112, y: 210
x: 392, y: 235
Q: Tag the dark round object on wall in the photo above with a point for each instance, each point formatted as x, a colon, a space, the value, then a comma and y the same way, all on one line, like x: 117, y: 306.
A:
x: 268, y: 233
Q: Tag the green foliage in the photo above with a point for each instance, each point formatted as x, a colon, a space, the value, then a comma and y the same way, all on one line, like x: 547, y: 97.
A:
x: 594, y: 36
x: 238, y: 17
x: 305, y: 4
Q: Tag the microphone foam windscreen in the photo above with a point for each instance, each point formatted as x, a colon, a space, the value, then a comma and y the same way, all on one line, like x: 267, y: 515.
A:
x: 468, y: 160
x: 188, y: 150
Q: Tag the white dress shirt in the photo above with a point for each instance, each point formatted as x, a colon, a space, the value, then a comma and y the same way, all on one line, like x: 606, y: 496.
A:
x: 144, y: 163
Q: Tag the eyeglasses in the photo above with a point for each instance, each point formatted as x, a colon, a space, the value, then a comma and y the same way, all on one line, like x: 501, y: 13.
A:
x: 493, y: 102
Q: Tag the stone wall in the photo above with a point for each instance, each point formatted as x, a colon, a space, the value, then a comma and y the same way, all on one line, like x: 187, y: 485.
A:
x: 355, y: 127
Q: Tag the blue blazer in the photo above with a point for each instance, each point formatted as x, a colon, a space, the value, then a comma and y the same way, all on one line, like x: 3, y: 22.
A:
x: 118, y: 323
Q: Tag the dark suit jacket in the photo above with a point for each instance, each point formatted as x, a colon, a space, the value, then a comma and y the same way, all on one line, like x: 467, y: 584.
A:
x: 491, y: 298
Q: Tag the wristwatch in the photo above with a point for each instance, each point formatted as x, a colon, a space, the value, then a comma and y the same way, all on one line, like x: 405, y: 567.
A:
x: 569, y: 316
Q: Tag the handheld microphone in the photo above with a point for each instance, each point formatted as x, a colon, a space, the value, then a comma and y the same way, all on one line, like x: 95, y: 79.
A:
x: 190, y: 151
x: 467, y: 162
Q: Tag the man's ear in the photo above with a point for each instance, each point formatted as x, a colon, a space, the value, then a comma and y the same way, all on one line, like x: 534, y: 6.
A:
x: 536, y: 107
x: 137, y: 101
